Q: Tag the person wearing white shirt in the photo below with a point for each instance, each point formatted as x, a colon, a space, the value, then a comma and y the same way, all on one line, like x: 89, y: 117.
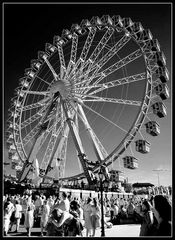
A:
x: 44, y: 215
x: 18, y: 214
x: 64, y: 207
x: 8, y: 209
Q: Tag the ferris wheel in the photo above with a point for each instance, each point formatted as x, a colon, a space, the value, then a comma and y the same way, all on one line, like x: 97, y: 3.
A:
x: 85, y: 98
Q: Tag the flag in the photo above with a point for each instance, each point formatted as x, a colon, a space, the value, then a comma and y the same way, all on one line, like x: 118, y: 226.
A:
x: 35, y: 169
x: 37, y: 181
x: 56, y: 167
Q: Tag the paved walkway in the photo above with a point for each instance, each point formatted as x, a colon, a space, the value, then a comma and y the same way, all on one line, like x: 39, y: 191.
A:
x: 126, y: 230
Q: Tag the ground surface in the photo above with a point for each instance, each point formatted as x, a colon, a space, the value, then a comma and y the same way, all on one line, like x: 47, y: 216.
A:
x: 126, y: 230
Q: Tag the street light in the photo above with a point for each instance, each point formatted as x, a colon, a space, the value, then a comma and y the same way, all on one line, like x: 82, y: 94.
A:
x: 103, y: 186
x: 158, y: 171
x: 101, y: 193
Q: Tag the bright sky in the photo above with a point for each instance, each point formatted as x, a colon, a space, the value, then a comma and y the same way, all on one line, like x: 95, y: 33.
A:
x: 33, y: 26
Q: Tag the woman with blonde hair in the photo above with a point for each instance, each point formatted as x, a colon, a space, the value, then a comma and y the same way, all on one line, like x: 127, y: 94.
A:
x: 45, y: 210
x: 87, y: 214
x: 95, y: 216
x: 29, y: 216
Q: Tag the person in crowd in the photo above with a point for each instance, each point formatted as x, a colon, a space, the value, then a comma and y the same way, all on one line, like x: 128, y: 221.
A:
x: 51, y: 202
x: 64, y: 207
x: 122, y: 212
x: 80, y: 213
x: 147, y: 221
x: 76, y: 206
x: 130, y: 209
x: 162, y: 212
x: 37, y: 211
x: 8, y: 209
x: 45, y: 210
x: 95, y: 216
x: 75, y: 227
x: 137, y: 211
x: 114, y: 217
x: 108, y: 209
x: 17, y: 214
x: 64, y: 204
x: 51, y: 228
x: 87, y: 213
x: 29, y: 216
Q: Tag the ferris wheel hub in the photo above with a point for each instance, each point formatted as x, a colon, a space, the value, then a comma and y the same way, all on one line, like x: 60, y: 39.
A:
x: 63, y: 87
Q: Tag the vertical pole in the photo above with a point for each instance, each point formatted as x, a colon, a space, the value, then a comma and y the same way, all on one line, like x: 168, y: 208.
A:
x: 158, y: 179
x: 102, y: 213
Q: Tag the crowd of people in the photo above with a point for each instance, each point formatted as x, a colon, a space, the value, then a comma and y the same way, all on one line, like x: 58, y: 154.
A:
x: 68, y: 216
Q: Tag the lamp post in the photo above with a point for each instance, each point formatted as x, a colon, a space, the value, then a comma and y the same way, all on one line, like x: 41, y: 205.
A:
x: 158, y: 172
x: 104, y: 184
x: 101, y: 195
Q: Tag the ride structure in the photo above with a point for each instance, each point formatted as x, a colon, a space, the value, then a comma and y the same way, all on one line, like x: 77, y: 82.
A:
x: 108, y: 69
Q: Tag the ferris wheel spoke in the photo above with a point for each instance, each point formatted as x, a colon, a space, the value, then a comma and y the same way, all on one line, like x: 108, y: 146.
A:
x: 110, y: 84
x: 44, y: 93
x: 112, y: 51
x: 51, y: 69
x: 31, y: 120
x: 49, y: 130
x: 97, y: 50
x: 93, y: 72
x: 53, y: 128
x: 87, y: 44
x: 30, y: 135
x: 84, y: 52
x: 114, y: 83
x: 43, y: 80
x: 123, y: 62
x: 110, y: 100
x: 59, y: 152
x: 108, y: 120
x: 34, y: 118
x: 73, y: 55
x: 36, y: 129
x: 50, y: 147
x: 40, y: 103
x: 62, y: 61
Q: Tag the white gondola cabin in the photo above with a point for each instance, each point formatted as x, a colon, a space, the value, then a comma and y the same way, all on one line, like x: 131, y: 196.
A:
x: 142, y: 146
x: 36, y: 64
x: 154, y: 45
x: 163, y: 74
x: 130, y: 162
x: 162, y: 91
x: 159, y: 109
x: 160, y: 59
x: 116, y: 176
x: 153, y: 128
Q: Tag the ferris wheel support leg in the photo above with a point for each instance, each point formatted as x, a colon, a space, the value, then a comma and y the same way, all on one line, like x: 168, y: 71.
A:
x: 32, y: 156
x: 78, y: 143
x: 59, y: 149
x: 100, y: 152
